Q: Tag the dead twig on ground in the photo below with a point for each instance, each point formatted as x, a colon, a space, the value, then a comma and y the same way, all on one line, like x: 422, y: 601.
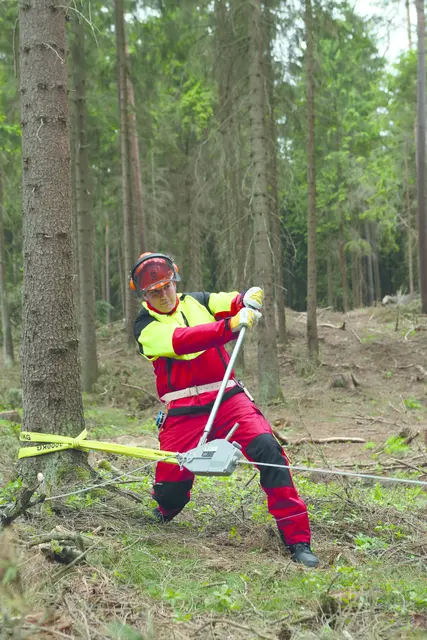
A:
x: 355, y: 334
x: 403, y: 463
x: 231, y: 623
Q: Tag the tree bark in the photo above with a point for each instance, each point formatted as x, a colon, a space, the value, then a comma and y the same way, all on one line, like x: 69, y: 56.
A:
x: 343, y: 268
x: 330, y: 281
x: 355, y: 279
x: 8, y: 353
x: 75, y: 233
x: 268, y: 368
x: 135, y: 158
x: 421, y: 154
x: 87, y: 351
x: 408, y: 223
x: 312, y: 341
x: 128, y: 218
x: 369, y: 267
x: 408, y: 24
x: 276, y: 240
x: 375, y: 262
x: 52, y: 399
x: 107, y: 269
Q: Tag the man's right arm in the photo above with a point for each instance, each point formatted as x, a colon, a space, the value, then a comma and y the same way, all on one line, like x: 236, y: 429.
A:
x: 157, y: 340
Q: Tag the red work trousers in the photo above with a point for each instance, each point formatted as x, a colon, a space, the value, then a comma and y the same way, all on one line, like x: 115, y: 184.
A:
x: 181, y: 433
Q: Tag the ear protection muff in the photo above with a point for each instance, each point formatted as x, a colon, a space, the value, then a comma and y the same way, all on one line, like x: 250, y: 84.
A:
x: 150, y: 256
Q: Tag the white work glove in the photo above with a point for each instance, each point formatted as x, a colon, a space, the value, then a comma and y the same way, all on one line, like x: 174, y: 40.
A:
x: 253, y: 298
x: 245, y: 318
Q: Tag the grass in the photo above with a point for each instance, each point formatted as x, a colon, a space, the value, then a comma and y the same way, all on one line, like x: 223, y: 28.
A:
x: 231, y: 565
x: 219, y: 571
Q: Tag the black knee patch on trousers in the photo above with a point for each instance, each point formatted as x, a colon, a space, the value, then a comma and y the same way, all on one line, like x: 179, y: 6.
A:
x: 172, y: 496
x: 265, y: 448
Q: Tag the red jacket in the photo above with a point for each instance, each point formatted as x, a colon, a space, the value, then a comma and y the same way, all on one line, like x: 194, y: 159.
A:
x: 186, y: 345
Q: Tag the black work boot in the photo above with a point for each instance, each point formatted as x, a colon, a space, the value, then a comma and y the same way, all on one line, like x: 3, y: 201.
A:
x: 159, y: 517
x: 301, y: 552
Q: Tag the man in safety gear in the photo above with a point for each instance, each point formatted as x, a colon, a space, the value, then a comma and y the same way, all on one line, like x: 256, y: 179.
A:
x: 184, y: 336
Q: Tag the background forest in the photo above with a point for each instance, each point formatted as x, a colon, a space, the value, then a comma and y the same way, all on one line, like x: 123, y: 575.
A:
x: 184, y: 121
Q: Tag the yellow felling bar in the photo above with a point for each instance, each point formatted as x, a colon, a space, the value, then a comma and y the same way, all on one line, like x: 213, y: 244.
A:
x: 52, y: 443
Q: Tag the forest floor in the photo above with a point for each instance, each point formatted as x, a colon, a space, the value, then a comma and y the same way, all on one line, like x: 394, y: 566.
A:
x: 218, y: 571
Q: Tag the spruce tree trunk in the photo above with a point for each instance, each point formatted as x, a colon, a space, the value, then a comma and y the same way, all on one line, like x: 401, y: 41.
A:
x: 375, y: 263
x: 369, y: 267
x: 52, y: 401
x: 343, y: 268
x: 107, y: 269
x: 330, y: 281
x: 408, y: 24
x: 75, y: 233
x: 355, y: 279
x: 130, y: 256
x: 8, y: 354
x: 135, y: 159
x: 408, y: 223
x: 276, y: 240
x: 123, y: 291
x: 421, y: 154
x: 268, y: 368
x: 312, y: 341
x: 88, y: 354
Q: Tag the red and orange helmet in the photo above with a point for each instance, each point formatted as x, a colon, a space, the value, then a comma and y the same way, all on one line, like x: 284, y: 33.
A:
x: 152, y: 271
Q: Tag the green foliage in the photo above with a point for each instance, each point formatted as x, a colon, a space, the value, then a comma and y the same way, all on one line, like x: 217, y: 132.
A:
x: 412, y: 403
x: 395, y: 444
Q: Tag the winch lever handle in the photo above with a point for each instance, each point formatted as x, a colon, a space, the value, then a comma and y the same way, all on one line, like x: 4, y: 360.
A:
x: 223, y: 386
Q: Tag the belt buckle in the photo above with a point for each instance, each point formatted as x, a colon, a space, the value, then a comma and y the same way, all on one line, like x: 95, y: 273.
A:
x: 197, y: 390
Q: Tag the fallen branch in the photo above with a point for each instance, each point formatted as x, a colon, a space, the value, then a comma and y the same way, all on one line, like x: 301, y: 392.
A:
x: 328, y: 325
x: 295, y: 443
x: 61, y: 572
x: 133, y: 386
x: 21, y: 506
x: 60, y: 536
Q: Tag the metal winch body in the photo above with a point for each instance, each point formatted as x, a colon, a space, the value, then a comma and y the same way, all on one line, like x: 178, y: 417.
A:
x: 215, y: 458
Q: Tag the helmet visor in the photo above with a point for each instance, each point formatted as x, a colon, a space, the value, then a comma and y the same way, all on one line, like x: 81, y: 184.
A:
x: 154, y: 274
